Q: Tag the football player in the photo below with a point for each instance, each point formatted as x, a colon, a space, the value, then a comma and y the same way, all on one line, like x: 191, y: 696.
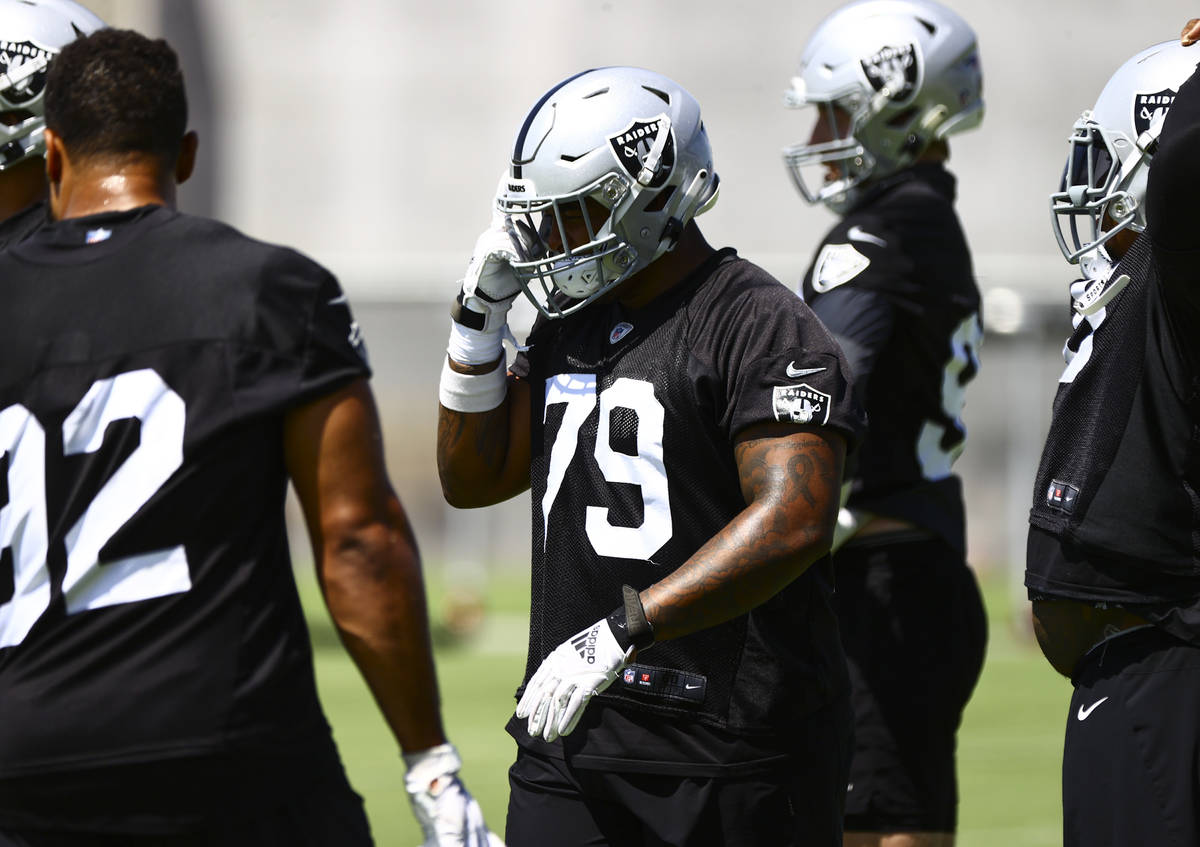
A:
x: 884, y: 83
x: 1112, y: 552
x: 682, y: 420
x: 31, y: 34
x: 161, y: 379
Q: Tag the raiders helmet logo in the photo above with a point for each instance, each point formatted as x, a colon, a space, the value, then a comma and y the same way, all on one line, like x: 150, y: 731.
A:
x: 897, y: 68
x: 1147, y: 107
x: 24, y: 65
x: 632, y: 144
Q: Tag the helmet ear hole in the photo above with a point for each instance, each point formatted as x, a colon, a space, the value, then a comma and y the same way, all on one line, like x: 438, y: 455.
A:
x: 903, y: 118
x: 661, y: 199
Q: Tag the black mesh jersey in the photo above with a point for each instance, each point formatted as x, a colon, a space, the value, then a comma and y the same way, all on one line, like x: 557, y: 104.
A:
x: 893, y: 282
x: 635, y: 414
x: 147, y: 606
x: 19, y: 226
x: 1116, y: 514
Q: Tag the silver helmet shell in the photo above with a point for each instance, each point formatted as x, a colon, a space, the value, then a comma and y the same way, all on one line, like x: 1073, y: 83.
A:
x: 888, y: 77
x: 607, y: 169
x: 32, y: 32
x: 1103, y: 189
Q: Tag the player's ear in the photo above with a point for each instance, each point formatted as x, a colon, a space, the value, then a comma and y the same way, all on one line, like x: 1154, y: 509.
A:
x: 55, y: 156
x: 186, y: 163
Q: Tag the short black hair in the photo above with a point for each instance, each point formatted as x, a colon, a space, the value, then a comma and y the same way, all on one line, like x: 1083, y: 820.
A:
x: 117, y: 92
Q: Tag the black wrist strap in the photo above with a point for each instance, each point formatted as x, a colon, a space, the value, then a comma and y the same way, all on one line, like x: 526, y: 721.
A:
x: 628, y: 622
x: 467, y: 317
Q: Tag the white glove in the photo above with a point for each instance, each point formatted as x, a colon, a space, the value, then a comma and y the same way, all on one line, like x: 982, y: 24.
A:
x: 490, y: 284
x: 446, y: 811
x: 583, y: 665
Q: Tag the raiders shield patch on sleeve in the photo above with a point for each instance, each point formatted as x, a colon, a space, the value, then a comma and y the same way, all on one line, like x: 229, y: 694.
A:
x: 801, y: 404
x: 837, y: 264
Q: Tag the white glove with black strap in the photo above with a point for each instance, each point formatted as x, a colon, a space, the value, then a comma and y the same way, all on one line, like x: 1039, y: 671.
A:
x: 480, y: 321
x: 489, y: 285
x: 449, y: 816
x: 583, y: 666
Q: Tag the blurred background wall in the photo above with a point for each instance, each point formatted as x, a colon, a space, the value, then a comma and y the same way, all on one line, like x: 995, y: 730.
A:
x: 370, y: 135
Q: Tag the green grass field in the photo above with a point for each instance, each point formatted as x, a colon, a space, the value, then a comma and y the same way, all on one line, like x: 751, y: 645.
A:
x: 1010, y: 744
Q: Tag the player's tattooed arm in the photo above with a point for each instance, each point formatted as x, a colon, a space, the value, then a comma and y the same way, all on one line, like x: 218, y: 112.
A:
x: 483, y: 457
x: 791, y: 481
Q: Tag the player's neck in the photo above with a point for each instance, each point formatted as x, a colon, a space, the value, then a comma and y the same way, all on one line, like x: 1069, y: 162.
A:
x: 670, y: 269
x: 112, y: 185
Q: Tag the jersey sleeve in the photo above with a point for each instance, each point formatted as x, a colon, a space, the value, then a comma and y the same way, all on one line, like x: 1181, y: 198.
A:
x: 304, y: 341
x: 773, y: 362
x: 861, y: 321
x: 1171, y: 211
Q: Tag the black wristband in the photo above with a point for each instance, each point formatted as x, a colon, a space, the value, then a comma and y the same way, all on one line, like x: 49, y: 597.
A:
x: 628, y: 622
x: 467, y: 317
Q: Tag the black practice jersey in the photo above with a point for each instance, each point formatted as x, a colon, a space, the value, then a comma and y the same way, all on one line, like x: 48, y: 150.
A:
x: 1116, y: 513
x: 635, y: 415
x: 893, y: 283
x: 22, y: 224
x: 147, y: 606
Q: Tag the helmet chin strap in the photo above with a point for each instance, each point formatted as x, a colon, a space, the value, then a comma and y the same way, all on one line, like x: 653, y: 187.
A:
x: 654, y: 158
x: 15, y: 79
x: 694, y: 201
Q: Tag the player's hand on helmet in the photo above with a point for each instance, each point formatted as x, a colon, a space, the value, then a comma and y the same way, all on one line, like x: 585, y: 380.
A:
x: 449, y: 816
x: 490, y: 285
x: 582, y: 666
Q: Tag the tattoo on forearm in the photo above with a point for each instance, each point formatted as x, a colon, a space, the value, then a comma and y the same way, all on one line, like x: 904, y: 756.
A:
x: 483, y: 435
x: 791, y: 485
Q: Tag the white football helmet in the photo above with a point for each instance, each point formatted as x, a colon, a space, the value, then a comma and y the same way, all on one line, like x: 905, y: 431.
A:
x: 1112, y: 144
x: 883, y: 79
x: 630, y: 141
x: 31, y: 34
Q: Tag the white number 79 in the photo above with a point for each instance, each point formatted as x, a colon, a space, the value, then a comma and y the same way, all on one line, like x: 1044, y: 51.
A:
x: 645, y: 469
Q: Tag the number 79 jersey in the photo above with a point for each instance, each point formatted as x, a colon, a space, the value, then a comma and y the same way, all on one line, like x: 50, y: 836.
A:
x: 635, y: 415
x: 147, y: 605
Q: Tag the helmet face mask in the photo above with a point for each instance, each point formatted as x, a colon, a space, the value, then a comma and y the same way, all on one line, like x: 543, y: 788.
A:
x: 833, y: 162
x: 905, y: 73
x: 1093, y: 202
x: 1103, y: 189
x: 607, y: 170
x: 32, y: 32
x: 568, y: 240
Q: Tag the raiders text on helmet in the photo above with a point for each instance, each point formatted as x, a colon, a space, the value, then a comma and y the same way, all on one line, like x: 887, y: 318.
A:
x: 885, y: 78
x: 31, y: 34
x: 607, y: 169
x: 1112, y: 144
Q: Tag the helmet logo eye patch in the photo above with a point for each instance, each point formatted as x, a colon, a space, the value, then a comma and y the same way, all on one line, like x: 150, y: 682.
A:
x: 896, y: 68
x: 632, y: 146
x: 1146, y: 107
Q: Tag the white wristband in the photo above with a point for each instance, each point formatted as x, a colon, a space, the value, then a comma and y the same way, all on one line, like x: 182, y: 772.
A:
x: 472, y: 392
x: 475, y: 346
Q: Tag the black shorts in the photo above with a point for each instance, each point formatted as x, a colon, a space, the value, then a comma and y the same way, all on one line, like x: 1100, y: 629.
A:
x: 1131, y: 760
x: 915, y: 633
x: 799, y: 805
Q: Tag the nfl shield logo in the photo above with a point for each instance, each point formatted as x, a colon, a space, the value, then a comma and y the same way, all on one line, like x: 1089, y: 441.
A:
x: 1146, y: 107
x: 628, y: 676
x: 632, y: 144
x: 800, y: 404
x: 619, y: 331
